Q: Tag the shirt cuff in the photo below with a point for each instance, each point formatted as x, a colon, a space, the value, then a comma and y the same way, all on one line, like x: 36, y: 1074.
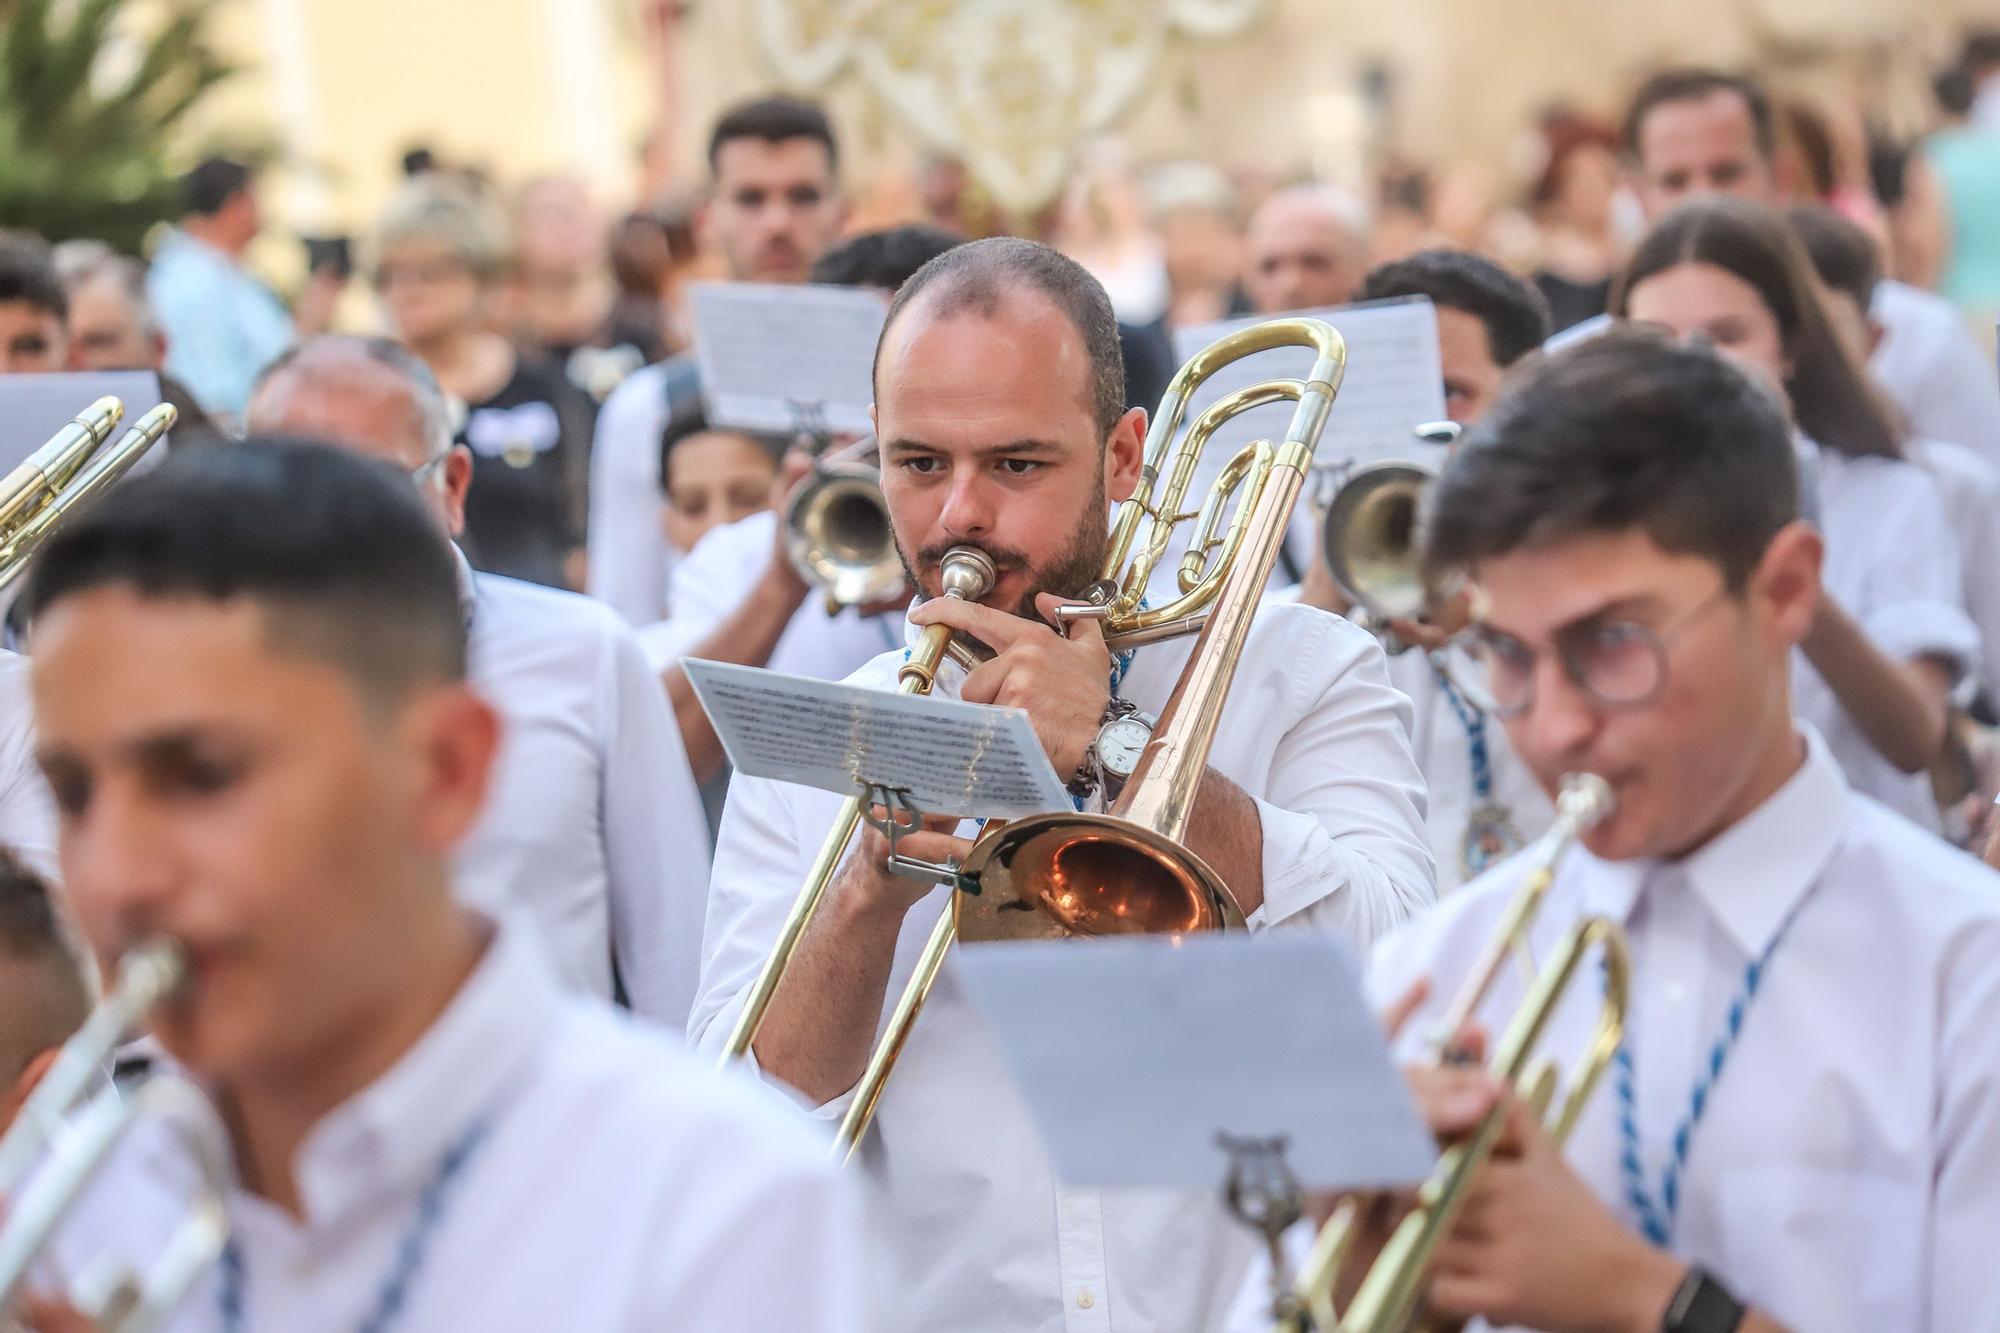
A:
x: 1907, y: 630
x: 1293, y: 880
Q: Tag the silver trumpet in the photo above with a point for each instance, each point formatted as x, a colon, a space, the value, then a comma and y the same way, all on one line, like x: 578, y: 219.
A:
x: 837, y: 531
x: 67, y: 1130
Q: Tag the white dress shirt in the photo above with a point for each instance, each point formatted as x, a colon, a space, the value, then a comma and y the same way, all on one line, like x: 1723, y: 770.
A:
x: 986, y: 1237
x: 27, y: 813
x: 715, y: 577
x: 1969, y: 486
x: 594, y: 824
x: 1934, y: 369
x: 1845, y: 1174
x: 620, y: 1183
x: 1892, y: 565
x: 628, y: 556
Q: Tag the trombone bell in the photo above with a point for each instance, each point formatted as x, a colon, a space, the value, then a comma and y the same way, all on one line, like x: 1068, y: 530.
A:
x: 837, y: 536
x: 1055, y: 876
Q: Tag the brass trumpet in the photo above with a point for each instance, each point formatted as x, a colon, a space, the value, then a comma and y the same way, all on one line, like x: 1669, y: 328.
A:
x: 68, y: 471
x: 66, y: 1131
x: 1130, y: 871
x: 1389, y: 1293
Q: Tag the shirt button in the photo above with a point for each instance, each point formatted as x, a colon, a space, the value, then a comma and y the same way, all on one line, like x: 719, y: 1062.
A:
x: 1084, y: 1300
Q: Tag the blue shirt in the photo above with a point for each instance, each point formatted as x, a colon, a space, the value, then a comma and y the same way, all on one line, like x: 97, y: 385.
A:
x: 222, y: 325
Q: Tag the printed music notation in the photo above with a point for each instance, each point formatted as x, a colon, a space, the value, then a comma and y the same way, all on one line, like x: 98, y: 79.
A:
x: 783, y: 358
x: 951, y: 757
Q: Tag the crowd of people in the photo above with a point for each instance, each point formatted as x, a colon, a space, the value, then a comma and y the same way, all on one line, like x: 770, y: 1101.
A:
x: 371, y: 698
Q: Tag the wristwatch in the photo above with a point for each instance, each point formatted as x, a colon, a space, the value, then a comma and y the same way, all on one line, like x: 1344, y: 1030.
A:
x: 1702, y: 1305
x: 1114, y: 753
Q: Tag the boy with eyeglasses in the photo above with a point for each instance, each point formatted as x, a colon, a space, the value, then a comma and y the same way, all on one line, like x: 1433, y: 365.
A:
x: 1802, y: 1126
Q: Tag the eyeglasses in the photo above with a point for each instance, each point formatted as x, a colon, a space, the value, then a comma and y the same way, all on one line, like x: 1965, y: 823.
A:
x: 1616, y: 663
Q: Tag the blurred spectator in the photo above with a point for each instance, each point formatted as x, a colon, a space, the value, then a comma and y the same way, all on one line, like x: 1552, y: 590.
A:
x: 223, y: 326
x: 1574, y: 202
x: 642, y: 275
x: 1982, y: 61
x: 441, y: 253
x: 33, y: 310
x: 1694, y: 132
x: 774, y: 207
x: 713, y: 476
x: 559, y: 290
x: 111, y: 327
x: 1306, y: 247
x: 1966, y: 159
x: 1196, y: 212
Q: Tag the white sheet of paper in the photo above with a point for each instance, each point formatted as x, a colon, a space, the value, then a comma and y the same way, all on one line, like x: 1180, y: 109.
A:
x: 1135, y: 1054
x: 785, y: 358
x: 1394, y: 383
x: 951, y: 757
x: 34, y: 407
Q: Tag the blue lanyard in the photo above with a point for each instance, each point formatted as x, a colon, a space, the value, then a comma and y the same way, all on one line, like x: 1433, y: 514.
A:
x: 1656, y: 1217
x: 410, y: 1249
x: 1474, y: 723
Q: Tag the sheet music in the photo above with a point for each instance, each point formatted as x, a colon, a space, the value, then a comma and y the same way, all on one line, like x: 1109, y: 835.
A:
x: 952, y: 757
x: 784, y: 358
x: 1135, y: 1053
x: 1394, y: 382
x: 34, y: 407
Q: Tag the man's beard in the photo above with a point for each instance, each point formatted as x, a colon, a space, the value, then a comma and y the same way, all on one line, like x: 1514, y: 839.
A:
x: 1072, y: 569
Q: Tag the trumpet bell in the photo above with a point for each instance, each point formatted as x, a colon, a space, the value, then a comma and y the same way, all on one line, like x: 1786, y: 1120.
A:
x: 1370, y: 539
x: 1056, y: 876
x: 838, y: 538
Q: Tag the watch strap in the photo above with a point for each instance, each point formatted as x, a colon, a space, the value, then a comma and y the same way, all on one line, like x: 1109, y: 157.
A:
x: 1090, y: 775
x: 1702, y: 1305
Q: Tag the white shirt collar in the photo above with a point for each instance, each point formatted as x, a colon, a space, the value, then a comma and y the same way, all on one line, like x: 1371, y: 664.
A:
x: 394, y: 1131
x: 468, y: 589
x: 1751, y: 874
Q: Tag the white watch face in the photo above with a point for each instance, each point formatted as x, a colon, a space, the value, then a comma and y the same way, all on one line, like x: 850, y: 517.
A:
x: 1120, y: 744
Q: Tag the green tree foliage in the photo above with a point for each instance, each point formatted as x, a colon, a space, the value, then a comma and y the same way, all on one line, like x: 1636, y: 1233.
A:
x: 84, y: 150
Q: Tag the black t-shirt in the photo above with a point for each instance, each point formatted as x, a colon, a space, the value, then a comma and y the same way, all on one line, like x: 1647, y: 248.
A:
x: 530, y: 447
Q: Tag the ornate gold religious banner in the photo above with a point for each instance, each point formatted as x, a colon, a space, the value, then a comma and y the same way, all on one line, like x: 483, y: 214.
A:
x: 1010, y: 87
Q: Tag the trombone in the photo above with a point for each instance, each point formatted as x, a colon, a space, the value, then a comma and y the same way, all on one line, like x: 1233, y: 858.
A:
x: 1129, y: 871
x: 71, y: 469
x: 1368, y: 537
x: 67, y: 1130
x: 1391, y: 1289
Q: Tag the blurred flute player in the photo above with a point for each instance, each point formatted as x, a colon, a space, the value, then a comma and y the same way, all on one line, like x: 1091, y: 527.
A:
x: 251, y: 682
x: 1801, y: 1127
x: 999, y: 401
x: 593, y: 822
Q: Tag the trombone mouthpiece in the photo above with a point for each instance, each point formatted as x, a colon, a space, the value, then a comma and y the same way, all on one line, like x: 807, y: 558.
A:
x: 967, y: 572
x: 1585, y: 800
x: 151, y: 971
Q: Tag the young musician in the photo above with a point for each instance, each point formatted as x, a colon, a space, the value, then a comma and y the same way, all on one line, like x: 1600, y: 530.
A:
x: 1890, y: 637
x: 999, y: 401
x: 1483, y: 803
x: 1801, y: 1129
x: 593, y: 823
x: 250, y: 684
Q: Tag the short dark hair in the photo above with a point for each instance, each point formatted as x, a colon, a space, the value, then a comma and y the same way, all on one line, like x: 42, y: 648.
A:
x: 979, y: 275
x: 1831, y: 396
x: 28, y: 275
x: 1690, y: 85
x: 1629, y: 429
x: 885, y: 259
x: 213, y: 182
x: 1515, y: 315
x: 774, y: 120
x: 53, y: 997
x: 338, y: 547
x: 1843, y: 255
x: 689, y: 423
